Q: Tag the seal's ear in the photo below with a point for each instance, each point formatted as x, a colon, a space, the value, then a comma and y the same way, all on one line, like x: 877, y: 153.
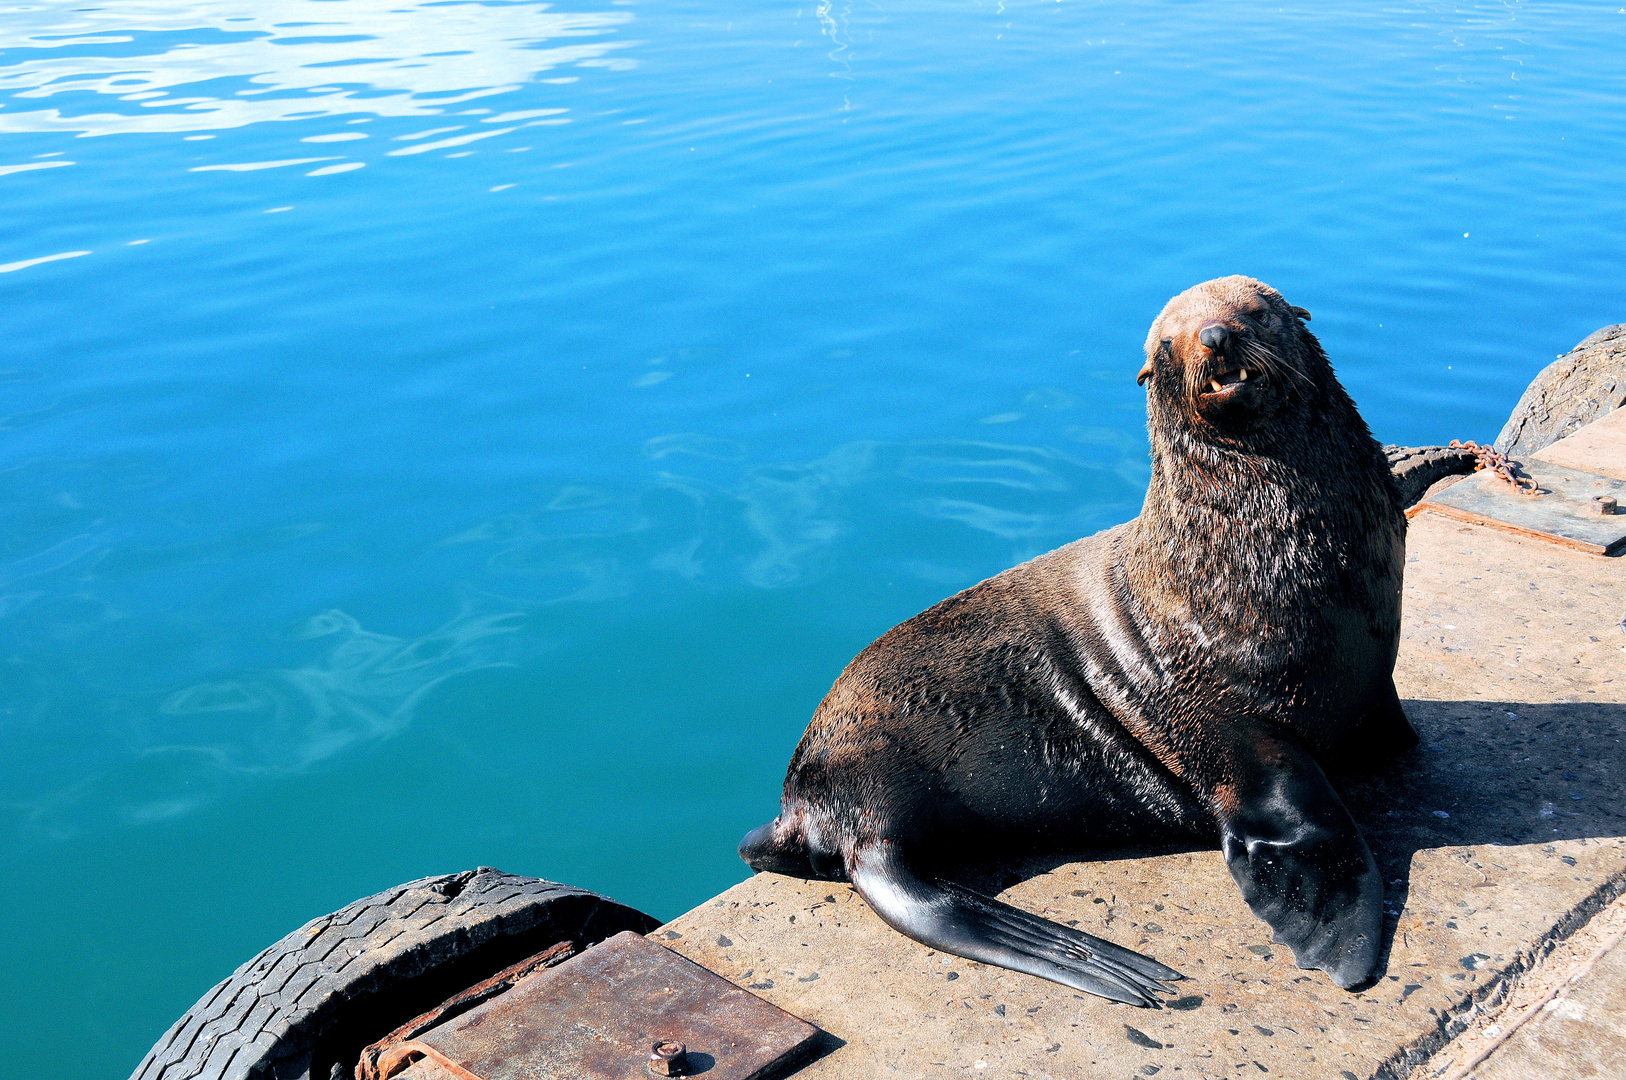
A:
x: 1299, y: 312
x: 1148, y: 367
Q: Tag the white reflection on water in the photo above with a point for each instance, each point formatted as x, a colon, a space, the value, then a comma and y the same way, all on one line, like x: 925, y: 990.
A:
x: 6, y: 170
x: 256, y: 166
x: 330, y: 170
x: 442, y: 144
x: 117, y: 69
x: 24, y: 264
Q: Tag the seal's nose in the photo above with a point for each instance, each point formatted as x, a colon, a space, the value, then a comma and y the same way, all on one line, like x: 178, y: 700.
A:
x: 1214, y: 336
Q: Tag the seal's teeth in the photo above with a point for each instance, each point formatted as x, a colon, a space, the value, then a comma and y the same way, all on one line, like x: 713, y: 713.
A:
x: 1215, y: 384
x: 1242, y: 376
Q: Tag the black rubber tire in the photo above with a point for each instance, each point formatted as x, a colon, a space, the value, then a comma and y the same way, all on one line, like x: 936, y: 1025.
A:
x: 316, y: 997
x: 1418, y: 468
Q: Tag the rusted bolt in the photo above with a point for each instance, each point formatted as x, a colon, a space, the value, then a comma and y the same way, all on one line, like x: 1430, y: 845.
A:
x: 1603, y: 504
x: 668, y: 1058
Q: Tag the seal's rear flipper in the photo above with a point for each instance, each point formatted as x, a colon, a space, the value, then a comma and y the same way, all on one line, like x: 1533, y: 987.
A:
x: 1302, y: 865
x: 777, y: 849
x: 946, y: 916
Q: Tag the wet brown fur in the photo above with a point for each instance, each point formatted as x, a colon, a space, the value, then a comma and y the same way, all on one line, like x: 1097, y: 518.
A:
x: 1128, y: 684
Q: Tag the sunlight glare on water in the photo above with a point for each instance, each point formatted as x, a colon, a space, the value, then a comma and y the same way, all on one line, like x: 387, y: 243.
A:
x: 478, y: 431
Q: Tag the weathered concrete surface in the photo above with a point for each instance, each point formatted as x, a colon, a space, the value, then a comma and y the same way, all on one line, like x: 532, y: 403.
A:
x: 1579, y: 387
x: 1570, y: 971
x: 1599, y: 447
x: 1580, y: 1033
x: 1502, y: 833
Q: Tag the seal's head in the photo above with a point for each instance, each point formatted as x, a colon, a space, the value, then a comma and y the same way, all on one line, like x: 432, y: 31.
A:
x: 1227, y: 356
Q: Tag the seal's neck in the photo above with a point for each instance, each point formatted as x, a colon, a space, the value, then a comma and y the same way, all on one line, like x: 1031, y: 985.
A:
x: 1247, y: 532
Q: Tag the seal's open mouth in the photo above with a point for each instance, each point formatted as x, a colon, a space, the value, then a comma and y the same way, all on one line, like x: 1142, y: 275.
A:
x: 1221, y: 381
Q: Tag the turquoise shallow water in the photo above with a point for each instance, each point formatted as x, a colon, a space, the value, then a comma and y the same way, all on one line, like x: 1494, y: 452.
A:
x: 477, y: 433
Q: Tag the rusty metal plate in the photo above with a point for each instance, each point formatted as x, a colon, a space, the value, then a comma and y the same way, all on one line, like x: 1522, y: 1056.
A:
x: 1563, y: 514
x: 597, y: 1016
x: 396, y: 1052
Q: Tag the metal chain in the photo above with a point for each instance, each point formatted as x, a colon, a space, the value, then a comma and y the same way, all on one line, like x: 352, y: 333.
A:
x: 1500, y: 464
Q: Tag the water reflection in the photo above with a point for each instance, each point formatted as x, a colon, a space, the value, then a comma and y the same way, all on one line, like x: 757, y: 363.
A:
x: 7, y: 170
x: 24, y: 264
x: 835, y: 26
x: 196, y: 704
x: 709, y: 512
x: 182, y: 67
x: 356, y: 685
x: 208, y: 719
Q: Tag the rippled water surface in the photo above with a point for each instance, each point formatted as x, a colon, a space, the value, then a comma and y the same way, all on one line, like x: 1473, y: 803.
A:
x: 455, y: 433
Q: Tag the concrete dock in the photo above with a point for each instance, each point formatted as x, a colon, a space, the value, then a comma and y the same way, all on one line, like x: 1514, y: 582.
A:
x: 1500, y: 837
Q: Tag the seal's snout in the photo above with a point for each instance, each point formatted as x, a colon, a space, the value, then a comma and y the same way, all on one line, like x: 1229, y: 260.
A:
x: 1226, y: 369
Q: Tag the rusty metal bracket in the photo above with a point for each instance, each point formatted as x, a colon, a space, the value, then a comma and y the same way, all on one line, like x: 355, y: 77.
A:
x: 624, y: 1009
x: 395, y: 1051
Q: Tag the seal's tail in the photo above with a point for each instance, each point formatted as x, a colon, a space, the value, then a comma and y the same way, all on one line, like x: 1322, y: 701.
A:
x: 778, y: 847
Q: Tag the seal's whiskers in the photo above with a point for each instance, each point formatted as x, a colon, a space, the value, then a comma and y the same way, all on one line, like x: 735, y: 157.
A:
x: 1272, y: 362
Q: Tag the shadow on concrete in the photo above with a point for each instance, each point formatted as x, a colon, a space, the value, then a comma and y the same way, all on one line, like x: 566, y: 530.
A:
x: 1492, y: 773
x: 1496, y: 772
x: 1485, y: 773
x: 822, y: 1045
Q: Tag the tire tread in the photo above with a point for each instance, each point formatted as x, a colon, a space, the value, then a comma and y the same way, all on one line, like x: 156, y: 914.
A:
x: 260, y: 1020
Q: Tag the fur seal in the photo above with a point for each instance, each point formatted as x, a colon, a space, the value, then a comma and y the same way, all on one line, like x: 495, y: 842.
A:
x: 1181, y: 673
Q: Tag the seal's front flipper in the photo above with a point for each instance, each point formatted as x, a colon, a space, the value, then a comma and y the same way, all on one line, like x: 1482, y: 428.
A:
x: 956, y: 920
x: 1301, y: 863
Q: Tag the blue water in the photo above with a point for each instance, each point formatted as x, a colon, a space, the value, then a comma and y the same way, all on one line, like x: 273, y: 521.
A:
x: 456, y: 433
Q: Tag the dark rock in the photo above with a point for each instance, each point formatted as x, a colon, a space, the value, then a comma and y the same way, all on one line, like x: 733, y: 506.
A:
x: 1579, y: 387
